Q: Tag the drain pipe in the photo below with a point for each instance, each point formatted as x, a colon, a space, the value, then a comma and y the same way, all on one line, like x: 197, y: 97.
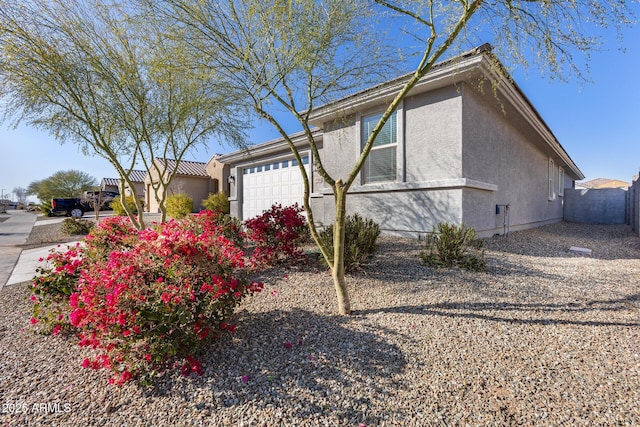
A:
x: 505, y: 217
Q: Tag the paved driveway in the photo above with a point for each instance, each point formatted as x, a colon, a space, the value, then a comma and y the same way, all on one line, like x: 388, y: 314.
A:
x: 13, y: 233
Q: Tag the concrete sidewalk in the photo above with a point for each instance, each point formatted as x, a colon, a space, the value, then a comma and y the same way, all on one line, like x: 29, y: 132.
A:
x: 29, y: 260
x: 13, y: 233
x: 17, y: 265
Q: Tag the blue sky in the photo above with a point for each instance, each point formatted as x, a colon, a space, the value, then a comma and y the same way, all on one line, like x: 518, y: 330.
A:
x: 598, y: 123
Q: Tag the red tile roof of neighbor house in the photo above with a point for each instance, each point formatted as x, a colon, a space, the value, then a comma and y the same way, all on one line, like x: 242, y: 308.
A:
x: 603, y: 183
x: 186, y: 167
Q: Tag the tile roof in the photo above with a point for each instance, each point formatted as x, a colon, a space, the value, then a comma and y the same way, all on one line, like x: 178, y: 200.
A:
x: 603, y: 183
x: 111, y: 181
x: 137, y: 175
x: 186, y: 167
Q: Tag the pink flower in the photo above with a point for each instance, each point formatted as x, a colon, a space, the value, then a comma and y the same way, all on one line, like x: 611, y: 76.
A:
x: 245, y: 378
x: 310, y: 357
x: 56, y: 330
x: 274, y: 292
x: 33, y: 320
x: 126, y: 376
x: 287, y: 345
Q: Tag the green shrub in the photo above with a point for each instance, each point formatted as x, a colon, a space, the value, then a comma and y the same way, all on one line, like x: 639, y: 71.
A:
x: 76, y: 226
x: 218, y: 202
x: 46, y: 208
x: 450, y: 245
x: 179, y: 205
x: 116, y: 205
x: 359, y: 241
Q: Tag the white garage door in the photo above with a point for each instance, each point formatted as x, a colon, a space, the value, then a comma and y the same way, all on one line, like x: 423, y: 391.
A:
x: 269, y: 183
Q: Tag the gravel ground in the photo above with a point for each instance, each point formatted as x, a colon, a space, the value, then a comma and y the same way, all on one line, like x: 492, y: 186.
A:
x: 547, y: 337
x: 47, y: 235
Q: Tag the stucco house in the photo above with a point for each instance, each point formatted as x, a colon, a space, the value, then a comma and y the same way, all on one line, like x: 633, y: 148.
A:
x: 196, y: 179
x: 466, y: 145
x: 136, y: 176
x: 110, y: 184
x: 603, y: 183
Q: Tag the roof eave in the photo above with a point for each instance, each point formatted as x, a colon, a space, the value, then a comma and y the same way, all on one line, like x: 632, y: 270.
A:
x: 481, y: 65
x: 298, y: 139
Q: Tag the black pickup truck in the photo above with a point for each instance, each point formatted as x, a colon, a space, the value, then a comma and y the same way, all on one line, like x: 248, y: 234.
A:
x: 76, y: 207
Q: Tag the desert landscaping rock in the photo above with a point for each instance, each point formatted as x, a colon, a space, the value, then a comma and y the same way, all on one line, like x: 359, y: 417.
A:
x: 548, y: 336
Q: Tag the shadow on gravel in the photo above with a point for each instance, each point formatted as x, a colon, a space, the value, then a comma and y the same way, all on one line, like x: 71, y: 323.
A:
x: 307, y: 360
x: 474, y: 311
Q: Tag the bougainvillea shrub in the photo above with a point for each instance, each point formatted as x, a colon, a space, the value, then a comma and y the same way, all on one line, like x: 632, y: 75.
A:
x: 277, y: 234
x: 55, y: 281
x: 158, y: 296
x: 110, y: 234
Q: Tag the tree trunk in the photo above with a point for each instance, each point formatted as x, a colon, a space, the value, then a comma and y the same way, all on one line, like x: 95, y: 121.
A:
x: 337, y: 269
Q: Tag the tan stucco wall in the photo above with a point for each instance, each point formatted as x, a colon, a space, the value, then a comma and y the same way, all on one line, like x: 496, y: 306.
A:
x: 140, y: 189
x: 219, y: 173
x: 198, y: 188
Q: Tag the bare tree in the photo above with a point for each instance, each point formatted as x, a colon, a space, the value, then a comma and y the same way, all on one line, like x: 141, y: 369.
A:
x: 21, y: 195
x: 97, y: 74
x: 295, y: 54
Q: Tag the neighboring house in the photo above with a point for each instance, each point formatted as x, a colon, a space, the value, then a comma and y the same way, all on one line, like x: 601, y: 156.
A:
x: 463, y: 144
x: 136, y: 176
x: 110, y: 184
x: 219, y: 173
x: 602, y: 183
x: 190, y: 178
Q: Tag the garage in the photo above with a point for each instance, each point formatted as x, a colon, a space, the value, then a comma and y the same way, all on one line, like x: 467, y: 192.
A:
x: 273, y: 182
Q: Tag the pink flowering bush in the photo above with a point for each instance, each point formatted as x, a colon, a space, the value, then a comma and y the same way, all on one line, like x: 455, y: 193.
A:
x: 51, y: 288
x: 277, y: 235
x: 111, y: 234
x: 150, y: 300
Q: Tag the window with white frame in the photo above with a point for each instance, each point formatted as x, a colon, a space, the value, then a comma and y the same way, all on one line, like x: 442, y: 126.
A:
x: 560, y: 181
x: 380, y: 165
x: 552, y: 174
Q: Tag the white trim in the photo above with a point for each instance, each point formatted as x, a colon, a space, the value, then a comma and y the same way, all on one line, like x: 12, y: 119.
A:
x: 396, y: 145
x: 276, y: 146
x: 400, y: 147
x: 436, y: 184
x: 551, y: 174
x: 560, y: 181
